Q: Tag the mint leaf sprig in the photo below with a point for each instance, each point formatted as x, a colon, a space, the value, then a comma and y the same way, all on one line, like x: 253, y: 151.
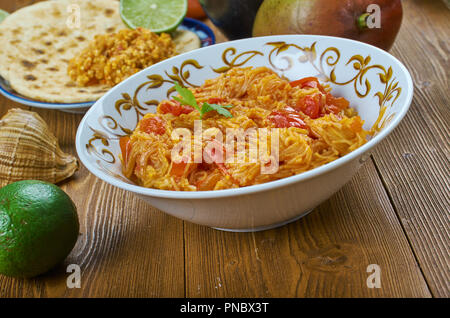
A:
x: 187, y: 98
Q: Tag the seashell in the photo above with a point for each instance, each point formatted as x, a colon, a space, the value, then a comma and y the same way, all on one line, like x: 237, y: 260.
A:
x: 29, y: 150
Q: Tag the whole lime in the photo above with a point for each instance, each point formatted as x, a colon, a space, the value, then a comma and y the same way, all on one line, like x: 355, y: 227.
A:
x: 38, y: 228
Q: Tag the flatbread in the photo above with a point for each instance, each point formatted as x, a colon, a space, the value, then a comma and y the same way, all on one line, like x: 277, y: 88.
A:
x: 37, y: 45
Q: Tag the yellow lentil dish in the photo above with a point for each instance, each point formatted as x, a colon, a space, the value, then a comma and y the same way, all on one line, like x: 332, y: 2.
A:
x: 111, y: 58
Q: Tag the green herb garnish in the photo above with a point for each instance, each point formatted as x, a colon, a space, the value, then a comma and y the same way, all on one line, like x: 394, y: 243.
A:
x: 187, y: 98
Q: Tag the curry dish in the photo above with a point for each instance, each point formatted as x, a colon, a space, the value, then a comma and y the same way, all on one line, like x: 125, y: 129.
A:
x: 313, y: 127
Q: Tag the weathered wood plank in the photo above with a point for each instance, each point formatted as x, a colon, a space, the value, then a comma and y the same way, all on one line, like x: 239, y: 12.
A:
x: 326, y: 254
x: 125, y: 249
x: 414, y: 160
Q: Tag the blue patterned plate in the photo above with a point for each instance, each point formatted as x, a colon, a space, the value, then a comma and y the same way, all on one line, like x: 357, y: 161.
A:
x: 205, y: 34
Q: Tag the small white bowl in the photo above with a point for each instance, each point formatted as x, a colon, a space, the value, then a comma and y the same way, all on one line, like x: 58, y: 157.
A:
x: 375, y: 83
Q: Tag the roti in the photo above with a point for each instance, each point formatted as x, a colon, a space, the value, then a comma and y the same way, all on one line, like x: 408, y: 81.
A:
x: 38, y: 42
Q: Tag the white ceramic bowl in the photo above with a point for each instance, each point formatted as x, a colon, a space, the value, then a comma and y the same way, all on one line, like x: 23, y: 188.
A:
x: 374, y: 82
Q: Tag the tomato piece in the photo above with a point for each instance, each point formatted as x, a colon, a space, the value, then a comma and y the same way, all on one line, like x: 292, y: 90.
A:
x: 312, y: 109
x: 336, y: 104
x: 175, y: 108
x: 215, y: 100
x: 310, y: 82
x: 153, y: 125
x: 310, y: 105
x: 287, y: 117
x: 177, y: 169
x: 125, y: 147
x: 341, y: 102
x: 279, y: 119
x: 332, y: 109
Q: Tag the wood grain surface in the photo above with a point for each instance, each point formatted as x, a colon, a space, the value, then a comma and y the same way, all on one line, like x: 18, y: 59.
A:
x: 394, y: 213
x: 414, y: 161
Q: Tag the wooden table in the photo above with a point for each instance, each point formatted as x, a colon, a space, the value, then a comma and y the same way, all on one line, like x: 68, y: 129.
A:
x: 394, y: 213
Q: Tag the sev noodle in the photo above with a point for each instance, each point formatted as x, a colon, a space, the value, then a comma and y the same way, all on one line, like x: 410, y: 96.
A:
x: 314, y: 128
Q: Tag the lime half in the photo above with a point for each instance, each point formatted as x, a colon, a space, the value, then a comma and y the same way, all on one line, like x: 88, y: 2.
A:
x: 3, y: 15
x: 156, y: 15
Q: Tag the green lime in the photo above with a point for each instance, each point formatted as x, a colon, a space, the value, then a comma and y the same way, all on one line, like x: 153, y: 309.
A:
x: 156, y: 15
x: 38, y: 228
x: 3, y: 15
